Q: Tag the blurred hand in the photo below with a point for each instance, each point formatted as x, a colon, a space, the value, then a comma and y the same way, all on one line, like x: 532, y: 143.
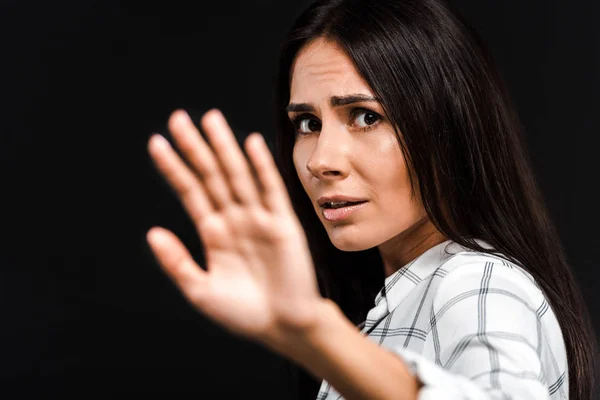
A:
x: 259, y: 280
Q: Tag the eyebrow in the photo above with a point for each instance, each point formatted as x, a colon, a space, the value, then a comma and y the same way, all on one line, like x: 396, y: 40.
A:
x: 334, y: 101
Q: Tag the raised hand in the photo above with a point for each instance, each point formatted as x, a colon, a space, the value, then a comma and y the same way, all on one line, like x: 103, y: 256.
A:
x: 259, y: 280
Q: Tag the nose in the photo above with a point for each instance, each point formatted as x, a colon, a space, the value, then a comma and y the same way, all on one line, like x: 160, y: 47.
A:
x: 329, y: 160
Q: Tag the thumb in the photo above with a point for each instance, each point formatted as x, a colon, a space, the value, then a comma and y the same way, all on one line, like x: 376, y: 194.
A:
x: 177, y: 262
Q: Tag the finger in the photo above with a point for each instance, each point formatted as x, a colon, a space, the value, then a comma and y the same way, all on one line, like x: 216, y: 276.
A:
x: 178, y: 263
x: 200, y: 157
x: 274, y: 193
x: 230, y: 156
x: 180, y: 178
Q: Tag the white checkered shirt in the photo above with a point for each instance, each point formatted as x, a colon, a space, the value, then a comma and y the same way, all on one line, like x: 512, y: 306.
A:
x: 470, y: 326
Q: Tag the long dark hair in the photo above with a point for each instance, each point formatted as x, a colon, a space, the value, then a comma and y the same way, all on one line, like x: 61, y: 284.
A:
x: 462, y: 140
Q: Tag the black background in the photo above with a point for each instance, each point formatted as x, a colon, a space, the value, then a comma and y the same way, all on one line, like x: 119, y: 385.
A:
x: 84, y: 309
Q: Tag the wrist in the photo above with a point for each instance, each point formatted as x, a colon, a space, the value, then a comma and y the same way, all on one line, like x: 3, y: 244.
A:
x: 306, y: 347
x: 295, y: 340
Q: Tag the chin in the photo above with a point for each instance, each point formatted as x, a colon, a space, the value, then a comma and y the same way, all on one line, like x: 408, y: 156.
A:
x: 348, y: 241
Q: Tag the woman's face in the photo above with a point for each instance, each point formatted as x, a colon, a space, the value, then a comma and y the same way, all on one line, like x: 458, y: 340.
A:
x: 345, y: 146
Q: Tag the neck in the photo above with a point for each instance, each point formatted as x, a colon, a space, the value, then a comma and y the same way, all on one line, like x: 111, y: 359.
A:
x: 400, y: 250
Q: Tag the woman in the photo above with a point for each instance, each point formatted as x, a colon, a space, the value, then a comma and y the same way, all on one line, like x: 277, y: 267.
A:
x: 414, y: 214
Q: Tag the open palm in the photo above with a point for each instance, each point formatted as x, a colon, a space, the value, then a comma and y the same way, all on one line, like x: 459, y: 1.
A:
x: 259, y: 278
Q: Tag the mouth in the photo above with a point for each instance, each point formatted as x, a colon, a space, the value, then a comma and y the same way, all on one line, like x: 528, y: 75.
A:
x: 341, y: 204
x: 339, y: 210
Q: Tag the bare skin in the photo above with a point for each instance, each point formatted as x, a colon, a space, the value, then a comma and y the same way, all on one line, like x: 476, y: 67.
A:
x: 352, y: 149
x: 259, y: 280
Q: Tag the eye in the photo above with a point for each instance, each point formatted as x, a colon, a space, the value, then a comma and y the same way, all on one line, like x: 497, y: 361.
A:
x: 364, y: 118
x: 306, y: 123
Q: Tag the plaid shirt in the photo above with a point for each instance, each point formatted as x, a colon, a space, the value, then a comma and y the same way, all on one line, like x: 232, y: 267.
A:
x: 470, y: 326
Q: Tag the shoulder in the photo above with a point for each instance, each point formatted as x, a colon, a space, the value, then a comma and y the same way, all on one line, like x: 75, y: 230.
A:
x: 466, y: 272
x: 485, y: 295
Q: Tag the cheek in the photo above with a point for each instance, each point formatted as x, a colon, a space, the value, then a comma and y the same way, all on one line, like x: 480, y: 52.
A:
x: 299, y: 158
x: 389, y: 179
x: 386, y: 167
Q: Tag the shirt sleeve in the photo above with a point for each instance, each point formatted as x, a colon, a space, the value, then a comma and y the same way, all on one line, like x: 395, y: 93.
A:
x: 486, y: 339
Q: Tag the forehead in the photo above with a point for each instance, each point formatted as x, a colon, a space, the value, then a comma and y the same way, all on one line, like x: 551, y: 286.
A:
x: 323, y: 67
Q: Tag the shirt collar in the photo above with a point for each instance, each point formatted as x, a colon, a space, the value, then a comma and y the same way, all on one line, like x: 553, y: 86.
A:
x: 399, y: 284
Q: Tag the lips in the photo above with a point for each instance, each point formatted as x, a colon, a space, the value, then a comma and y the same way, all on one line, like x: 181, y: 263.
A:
x: 340, y: 204
x: 338, y: 214
x: 327, y: 201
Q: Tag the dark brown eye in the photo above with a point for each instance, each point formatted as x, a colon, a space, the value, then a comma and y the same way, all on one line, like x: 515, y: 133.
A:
x: 313, y: 125
x: 365, y: 118
x: 306, y: 124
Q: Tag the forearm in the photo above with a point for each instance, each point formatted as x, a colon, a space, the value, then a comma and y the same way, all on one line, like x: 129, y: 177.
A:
x: 355, y: 366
